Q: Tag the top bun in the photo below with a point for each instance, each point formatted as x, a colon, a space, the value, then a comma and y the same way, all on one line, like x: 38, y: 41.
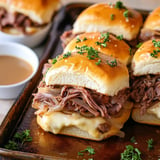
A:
x: 78, y: 70
x: 113, y: 47
x: 153, y: 20
x: 146, y: 59
x: 40, y: 11
x: 113, y: 18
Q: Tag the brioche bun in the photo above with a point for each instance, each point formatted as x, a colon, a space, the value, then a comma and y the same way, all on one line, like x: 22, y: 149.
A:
x: 114, y: 47
x: 78, y: 70
x: 143, y: 63
x: 39, y: 11
x: 153, y: 20
x: 97, y: 18
x: 151, y: 116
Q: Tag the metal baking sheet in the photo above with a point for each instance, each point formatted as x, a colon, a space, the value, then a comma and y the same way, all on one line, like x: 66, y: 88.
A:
x: 48, y: 146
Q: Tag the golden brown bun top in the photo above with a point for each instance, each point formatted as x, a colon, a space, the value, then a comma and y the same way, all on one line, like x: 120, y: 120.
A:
x: 78, y: 70
x: 98, y: 17
x: 153, y: 20
x: 145, y: 61
x: 114, y: 47
x: 40, y: 11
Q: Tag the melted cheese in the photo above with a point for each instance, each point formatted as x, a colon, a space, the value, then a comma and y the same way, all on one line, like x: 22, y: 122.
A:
x: 57, y: 121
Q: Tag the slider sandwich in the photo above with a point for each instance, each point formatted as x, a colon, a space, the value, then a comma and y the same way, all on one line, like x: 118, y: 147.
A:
x: 145, y: 83
x: 26, y: 16
x: 83, y: 96
x: 151, y: 28
x: 105, y: 43
x: 103, y: 17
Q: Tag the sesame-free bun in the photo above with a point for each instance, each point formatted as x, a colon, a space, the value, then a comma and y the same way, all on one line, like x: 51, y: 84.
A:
x: 79, y: 126
x: 151, y: 116
x: 97, y: 17
x: 143, y: 63
x: 114, y: 47
x: 78, y: 70
x: 40, y: 11
x: 153, y: 20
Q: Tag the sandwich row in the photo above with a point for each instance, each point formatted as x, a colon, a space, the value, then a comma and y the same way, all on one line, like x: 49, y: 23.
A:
x: 93, y: 87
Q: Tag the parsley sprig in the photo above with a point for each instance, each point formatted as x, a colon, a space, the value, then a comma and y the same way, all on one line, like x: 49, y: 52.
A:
x: 89, y: 150
x: 119, y: 5
x: 105, y: 37
x: 139, y: 45
x: 80, y: 40
x: 66, y: 55
x: 18, y: 140
x: 91, y: 52
x: 150, y: 144
x: 133, y: 140
x: 155, y: 51
x: 112, y: 16
x: 156, y: 43
x: 120, y: 37
x: 112, y: 63
x: 131, y: 153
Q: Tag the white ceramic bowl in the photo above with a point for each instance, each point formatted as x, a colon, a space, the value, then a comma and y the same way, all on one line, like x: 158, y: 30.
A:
x: 25, y: 53
x: 28, y: 40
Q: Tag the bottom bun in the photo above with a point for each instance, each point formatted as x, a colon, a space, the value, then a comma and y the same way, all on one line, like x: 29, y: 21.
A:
x: 151, y: 116
x: 79, y: 126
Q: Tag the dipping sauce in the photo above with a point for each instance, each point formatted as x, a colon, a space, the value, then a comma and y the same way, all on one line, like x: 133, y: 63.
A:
x: 13, y: 70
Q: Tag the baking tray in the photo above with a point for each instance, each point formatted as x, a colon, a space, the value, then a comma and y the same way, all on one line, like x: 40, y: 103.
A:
x: 48, y: 146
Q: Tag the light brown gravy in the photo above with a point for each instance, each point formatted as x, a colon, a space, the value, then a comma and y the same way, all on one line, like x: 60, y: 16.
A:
x: 13, y: 70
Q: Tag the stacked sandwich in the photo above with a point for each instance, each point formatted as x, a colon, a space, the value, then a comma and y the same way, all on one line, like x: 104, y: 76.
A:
x: 19, y: 17
x: 85, y: 91
x: 145, y: 78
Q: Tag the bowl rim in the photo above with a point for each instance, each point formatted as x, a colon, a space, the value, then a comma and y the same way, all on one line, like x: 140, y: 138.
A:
x: 35, y: 68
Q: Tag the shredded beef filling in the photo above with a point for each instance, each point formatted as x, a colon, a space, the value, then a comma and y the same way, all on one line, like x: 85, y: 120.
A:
x: 147, y: 34
x: 16, y: 20
x: 145, y: 91
x: 87, y: 102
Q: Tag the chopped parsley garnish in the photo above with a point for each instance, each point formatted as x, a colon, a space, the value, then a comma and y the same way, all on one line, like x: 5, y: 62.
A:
x: 131, y: 153
x: 130, y: 51
x: 89, y: 149
x: 18, y: 140
x: 120, y: 37
x: 133, y: 140
x: 112, y: 16
x: 81, y: 40
x: 125, y: 13
x: 54, y: 60
x: 91, y: 52
x: 119, y: 5
x: 139, y: 44
x: 81, y: 50
x: 101, y: 44
x: 105, y: 37
x: 11, y: 145
x: 156, y: 43
x: 150, y: 144
x: 66, y: 55
x: 155, y: 53
x: 112, y: 63
x: 99, y: 61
